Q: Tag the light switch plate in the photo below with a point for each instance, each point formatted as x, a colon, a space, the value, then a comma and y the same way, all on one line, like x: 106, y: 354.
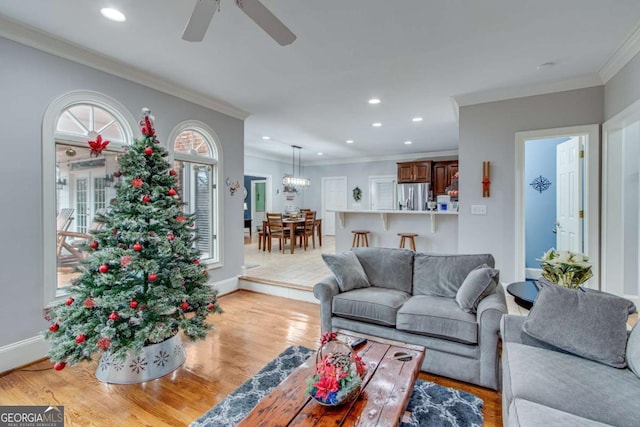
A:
x: 478, y: 209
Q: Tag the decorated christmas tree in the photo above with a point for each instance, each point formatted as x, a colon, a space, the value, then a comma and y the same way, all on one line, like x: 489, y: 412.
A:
x: 142, y: 281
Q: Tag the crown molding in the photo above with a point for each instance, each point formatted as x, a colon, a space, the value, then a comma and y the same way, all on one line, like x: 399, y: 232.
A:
x: 29, y: 36
x: 629, y: 48
x: 399, y: 157
x: 501, y: 94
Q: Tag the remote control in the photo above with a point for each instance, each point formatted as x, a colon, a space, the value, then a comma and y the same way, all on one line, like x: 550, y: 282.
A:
x: 358, y: 342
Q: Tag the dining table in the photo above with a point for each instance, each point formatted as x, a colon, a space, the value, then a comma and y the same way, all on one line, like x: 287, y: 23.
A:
x: 291, y: 223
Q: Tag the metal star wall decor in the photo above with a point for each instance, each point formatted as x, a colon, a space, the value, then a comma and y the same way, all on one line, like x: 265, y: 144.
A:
x: 541, y: 184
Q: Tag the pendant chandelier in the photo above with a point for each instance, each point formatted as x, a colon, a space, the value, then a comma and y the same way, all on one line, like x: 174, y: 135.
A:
x: 293, y: 182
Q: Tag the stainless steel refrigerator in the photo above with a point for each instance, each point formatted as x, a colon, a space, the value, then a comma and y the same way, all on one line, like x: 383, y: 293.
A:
x: 412, y: 197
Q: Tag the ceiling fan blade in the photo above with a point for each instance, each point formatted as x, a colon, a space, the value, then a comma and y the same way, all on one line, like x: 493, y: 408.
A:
x: 200, y: 18
x: 267, y: 21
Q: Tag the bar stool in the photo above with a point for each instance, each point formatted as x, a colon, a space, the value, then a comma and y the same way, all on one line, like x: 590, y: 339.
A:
x: 360, y: 236
x: 408, y: 236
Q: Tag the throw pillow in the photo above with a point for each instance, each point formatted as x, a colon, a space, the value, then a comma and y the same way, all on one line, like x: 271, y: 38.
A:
x: 348, y: 270
x: 479, y: 283
x: 589, y: 325
x: 633, y: 350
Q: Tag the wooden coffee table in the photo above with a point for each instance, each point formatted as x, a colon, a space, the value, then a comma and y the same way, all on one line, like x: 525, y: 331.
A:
x: 383, y: 401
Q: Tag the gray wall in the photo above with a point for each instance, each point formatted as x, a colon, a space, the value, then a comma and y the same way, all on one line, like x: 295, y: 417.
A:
x: 623, y: 89
x: 29, y: 81
x: 487, y: 133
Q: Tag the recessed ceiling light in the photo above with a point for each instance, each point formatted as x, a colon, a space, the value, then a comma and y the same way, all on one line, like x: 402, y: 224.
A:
x: 546, y: 65
x: 376, y: 125
x: 408, y: 143
x: 374, y: 101
x: 321, y: 154
x: 349, y: 141
x: 266, y: 138
x: 113, y: 14
x: 416, y: 119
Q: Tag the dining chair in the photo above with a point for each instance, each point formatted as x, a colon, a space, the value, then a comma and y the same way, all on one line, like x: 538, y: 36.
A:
x: 277, y: 230
x: 307, y: 230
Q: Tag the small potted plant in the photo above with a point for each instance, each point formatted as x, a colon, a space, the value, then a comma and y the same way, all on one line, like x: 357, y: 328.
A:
x: 569, y: 269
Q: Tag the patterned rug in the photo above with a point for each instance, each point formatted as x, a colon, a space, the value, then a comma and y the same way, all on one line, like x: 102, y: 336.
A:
x: 430, y: 403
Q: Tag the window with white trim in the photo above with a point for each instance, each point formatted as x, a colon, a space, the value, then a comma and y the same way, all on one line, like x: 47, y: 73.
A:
x: 77, y: 186
x: 196, y: 161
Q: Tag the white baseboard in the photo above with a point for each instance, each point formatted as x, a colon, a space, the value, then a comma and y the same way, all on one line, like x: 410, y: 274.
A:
x: 279, y: 291
x: 22, y: 352
x: 226, y: 286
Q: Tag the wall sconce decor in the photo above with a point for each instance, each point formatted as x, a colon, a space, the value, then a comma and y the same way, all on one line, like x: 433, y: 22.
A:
x: 108, y: 180
x: 486, y: 179
x: 60, y: 183
x: 232, y: 187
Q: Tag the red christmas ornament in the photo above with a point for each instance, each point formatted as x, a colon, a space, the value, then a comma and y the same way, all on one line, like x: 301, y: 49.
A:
x: 94, y: 244
x: 153, y: 277
x: 196, y: 261
x: 80, y: 338
x: 148, y: 151
x: 115, y: 231
x: 59, y: 366
x: 97, y: 146
x: 69, y: 301
x: 184, y: 306
x: 113, y: 316
x: 103, y: 268
x: 117, y: 174
x: 172, y: 172
x: 88, y: 303
x: 181, y: 218
x: 210, y: 306
x: 170, y: 236
x: 146, y: 198
x: 125, y: 260
x: 133, y: 304
x: 136, y: 182
x: 172, y: 192
x: 54, y: 327
x: 205, y: 272
x: 103, y: 343
x: 137, y: 247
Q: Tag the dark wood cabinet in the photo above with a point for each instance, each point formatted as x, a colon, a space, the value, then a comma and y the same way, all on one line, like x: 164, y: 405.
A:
x: 443, y: 173
x: 419, y: 171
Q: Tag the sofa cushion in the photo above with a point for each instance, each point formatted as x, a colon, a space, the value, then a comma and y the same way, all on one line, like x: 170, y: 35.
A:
x: 347, y: 269
x: 479, y: 283
x: 523, y: 413
x: 374, y: 305
x: 571, y: 384
x: 633, y: 350
x: 590, y: 325
x: 438, y: 317
x: 442, y: 275
x: 387, y: 267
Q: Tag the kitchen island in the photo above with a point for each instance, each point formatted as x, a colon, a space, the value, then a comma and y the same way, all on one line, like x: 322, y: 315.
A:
x: 437, y: 231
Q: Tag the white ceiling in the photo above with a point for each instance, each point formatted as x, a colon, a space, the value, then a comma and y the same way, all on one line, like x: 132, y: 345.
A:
x: 417, y: 56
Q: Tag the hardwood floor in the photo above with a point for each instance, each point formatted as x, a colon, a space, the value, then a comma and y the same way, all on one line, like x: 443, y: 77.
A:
x: 254, y: 329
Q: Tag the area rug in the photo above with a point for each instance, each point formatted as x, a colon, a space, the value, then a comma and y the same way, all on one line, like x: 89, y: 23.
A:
x: 430, y: 403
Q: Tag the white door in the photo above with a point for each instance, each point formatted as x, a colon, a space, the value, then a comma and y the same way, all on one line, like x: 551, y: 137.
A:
x: 258, y: 207
x: 89, y: 195
x: 334, y: 197
x: 569, y: 196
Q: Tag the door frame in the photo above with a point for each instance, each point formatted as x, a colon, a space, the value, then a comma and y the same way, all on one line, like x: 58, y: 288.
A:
x: 255, y: 224
x: 591, y: 200
x: 268, y: 204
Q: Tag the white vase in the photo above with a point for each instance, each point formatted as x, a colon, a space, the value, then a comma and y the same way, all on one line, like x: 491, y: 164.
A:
x: 154, y: 361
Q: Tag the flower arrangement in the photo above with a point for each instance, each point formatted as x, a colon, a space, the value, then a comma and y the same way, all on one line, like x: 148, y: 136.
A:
x: 565, y: 268
x: 357, y: 194
x: 339, y: 372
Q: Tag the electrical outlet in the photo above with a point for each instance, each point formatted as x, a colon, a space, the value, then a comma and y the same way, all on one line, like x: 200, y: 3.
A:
x: 478, y: 209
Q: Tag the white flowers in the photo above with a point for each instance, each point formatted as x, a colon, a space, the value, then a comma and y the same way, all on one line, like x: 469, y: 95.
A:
x: 565, y: 268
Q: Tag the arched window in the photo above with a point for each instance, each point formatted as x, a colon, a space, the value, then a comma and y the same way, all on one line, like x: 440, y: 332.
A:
x: 197, y: 159
x: 77, y: 186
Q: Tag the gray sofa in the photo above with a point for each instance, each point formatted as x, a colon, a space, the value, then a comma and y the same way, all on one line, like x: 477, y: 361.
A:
x: 550, y: 387
x: 411, y: 297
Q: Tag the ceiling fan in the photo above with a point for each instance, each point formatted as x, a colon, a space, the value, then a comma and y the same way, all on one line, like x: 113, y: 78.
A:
x: 204, y: 10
